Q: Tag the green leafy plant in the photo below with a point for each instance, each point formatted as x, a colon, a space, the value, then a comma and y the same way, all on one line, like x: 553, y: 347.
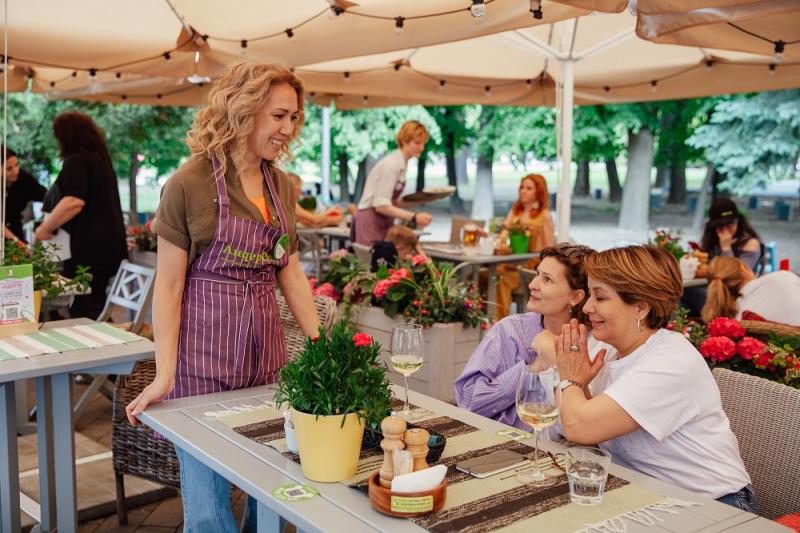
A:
x: 143, y: 238
x: 343, y: 267
x: 338, y: 373
x: 46, y: 269
x: 308, y: 203
x: 669, y: 241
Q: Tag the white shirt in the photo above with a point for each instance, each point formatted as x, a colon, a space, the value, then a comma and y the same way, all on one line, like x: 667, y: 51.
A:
x: 684, y: 437
x: 775, y: 297
x: 383, y: 178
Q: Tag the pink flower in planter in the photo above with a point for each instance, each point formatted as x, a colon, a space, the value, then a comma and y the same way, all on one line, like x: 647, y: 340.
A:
x: 381, y: 288
x: 718, y: 348
x: 400, y: 273
x: 726, y: 327
x: 362, y: 339
x: 748, y: 348
x: 418, y: 260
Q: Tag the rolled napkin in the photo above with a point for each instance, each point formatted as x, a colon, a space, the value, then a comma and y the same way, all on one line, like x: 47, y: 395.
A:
x: 288, y: 428
x: 403, y: 462
x: 421, y: 481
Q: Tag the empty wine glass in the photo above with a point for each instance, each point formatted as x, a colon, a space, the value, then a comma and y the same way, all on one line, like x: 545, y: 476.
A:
x: 407, y: 354
x: 538, y: 398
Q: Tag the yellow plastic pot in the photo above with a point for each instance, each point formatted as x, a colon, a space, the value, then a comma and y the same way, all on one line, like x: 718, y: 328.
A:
x: 328, y: 451
x: 37, y: 305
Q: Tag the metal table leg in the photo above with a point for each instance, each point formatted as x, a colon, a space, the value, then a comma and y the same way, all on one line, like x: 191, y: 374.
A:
x: 64, y: 454
x: 9, y: 466
x: 44, y: 399
x: 268, y: 520
x: 491, y: 293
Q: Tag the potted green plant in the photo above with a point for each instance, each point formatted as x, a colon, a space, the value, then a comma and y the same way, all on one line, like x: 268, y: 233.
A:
x: 47, y: 278
x: 518, y: 238
x: 335, y: 388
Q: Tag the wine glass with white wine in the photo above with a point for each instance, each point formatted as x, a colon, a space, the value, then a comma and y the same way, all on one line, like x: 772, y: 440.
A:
x: 538, y: 398
x: 407, y: 354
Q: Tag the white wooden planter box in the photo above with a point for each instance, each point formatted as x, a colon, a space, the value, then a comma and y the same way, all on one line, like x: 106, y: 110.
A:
x: 447, y: 350
x: 143, y: 258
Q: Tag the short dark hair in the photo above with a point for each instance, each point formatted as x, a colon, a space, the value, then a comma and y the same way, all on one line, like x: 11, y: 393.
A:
x: 5, y: 153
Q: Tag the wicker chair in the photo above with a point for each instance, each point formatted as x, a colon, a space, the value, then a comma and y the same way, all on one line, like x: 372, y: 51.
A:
x: 137, y: 452
x: 765, y: 416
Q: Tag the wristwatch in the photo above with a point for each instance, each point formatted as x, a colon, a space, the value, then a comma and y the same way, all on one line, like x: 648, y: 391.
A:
x: 564, y: 383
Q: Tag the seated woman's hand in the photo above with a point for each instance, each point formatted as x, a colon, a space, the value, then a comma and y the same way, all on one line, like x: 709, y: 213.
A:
x: 544, y: 346
x: 572, y: 354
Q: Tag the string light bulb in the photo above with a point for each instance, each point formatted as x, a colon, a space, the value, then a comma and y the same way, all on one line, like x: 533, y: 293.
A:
x: 478, y: 10
x: 92, y: 72
x: 289, y: 33
x: 607, y: 89
x: 243, y: 43
x: 772, y: 68
x: 654, y: 86
x: 167, y: 56
x: 397, y: 66
x: 442, y: 83
x: 709, y: 64
x: 529, y: 83
x: 119, y: 75
x: 487, y: 91
x: 335, y: 11
x: 779, y: 46
x: 347, y: 77
x: 366, y: 99
x: 399, y: 22
x: 536, y: 9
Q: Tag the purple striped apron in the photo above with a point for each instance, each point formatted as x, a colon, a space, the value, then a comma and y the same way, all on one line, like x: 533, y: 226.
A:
x: 230, y: 335
x: 370, y: 226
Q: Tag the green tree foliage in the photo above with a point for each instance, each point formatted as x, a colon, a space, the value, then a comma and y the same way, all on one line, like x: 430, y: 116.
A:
x: 520, y: 133
x: 753, y: 139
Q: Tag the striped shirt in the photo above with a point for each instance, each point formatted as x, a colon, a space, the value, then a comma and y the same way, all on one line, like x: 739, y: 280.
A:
x: 489, y: 381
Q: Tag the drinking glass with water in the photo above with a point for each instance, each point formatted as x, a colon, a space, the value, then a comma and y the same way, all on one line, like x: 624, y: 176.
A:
x: 587, y: 471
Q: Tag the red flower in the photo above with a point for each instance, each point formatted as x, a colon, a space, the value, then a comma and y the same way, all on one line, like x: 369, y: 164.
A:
x: 399, y: 274
x: 484, y: 325
x: 423, y: 311
x: 381, y: 288
x: 362, y: 339
x: 315, y: 338
x: 418, y: 260
x: 748, y: 348
x: 468, y: 304
x: 718, y: 348
x: 670, y: 326
x: 763, y: 360
x: 726, y: 327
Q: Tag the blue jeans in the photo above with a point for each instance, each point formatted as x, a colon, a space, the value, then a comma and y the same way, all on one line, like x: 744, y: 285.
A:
x: 744, y: 499
x: 206, y: 499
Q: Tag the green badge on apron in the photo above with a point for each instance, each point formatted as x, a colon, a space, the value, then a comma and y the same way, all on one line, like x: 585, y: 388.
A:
x: 280, y: 247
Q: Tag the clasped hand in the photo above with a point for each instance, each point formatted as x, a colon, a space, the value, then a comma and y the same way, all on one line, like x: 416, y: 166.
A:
x: 572, y: 354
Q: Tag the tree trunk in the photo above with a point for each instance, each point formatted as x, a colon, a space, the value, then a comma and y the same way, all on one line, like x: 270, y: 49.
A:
x: 483, y: 204
x: 662, y: 176
x: 421, y: 163
x: 456, y: 203
x: 702, y: 200
x: 614, y: 188
x: 582, y: 179
x: 133, y: 171
x: 461, y: 166
x: 364, y: 168
x: 677, y: 183
x: 344, y: 177
x: 635, y: 210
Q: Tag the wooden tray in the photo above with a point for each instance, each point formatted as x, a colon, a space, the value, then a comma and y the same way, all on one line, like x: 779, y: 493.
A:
x: 404, y: 505
x: 426, y: 196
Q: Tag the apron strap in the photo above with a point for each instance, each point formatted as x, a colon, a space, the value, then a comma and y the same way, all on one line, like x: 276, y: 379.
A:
x: 222, y: 189
x: 276, y: 201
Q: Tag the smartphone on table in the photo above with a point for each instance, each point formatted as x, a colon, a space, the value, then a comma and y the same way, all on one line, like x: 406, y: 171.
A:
x: 493, y: 463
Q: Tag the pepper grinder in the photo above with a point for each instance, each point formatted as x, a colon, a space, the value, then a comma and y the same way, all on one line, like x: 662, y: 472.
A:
x: 417, y: 443
x: 393, y: 428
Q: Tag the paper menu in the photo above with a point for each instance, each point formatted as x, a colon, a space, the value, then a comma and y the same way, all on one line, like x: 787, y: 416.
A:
x: 16, y: 295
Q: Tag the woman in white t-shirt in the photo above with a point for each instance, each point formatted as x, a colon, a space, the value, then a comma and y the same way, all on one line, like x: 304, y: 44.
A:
x: 380, y: 202
x: 651, y: 401
x: 734, y: 289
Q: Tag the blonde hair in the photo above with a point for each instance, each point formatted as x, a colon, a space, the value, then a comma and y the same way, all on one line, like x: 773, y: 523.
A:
x: 640, y: 274
x: 404, y: 235
x: 224, y: 125
x: 725, y: 279
x: 411, y: 130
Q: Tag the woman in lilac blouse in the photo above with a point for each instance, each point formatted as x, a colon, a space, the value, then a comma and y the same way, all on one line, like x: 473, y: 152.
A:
x: 488, y: 384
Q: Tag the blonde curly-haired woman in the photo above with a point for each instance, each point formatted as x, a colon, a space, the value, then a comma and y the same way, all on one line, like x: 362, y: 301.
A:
x: 226, y: 238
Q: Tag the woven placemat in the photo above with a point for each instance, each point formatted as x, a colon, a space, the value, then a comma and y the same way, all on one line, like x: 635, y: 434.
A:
x: 498, y: 502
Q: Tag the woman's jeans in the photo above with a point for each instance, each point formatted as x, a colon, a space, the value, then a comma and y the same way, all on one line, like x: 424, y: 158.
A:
x: 206, y: 499
x: 743, y: 499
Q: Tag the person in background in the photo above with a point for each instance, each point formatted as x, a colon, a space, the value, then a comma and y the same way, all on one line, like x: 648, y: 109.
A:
x: 226, y: 242
x: 529, y: 211
x: 401, y: 244
x: 21, y: 189
x: 84, y: 200
x: 649, y: 398
x: 331, y: 217
x: 729, y: 234
x: 380, y: 203
x: 487, y: 386
x: 734, y: 289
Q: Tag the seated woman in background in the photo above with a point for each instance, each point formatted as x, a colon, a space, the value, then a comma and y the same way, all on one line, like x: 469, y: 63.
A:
x: 649, y: 399
x: 733, y: 289
x: 331, y: 217
x: 488, y: 384
x: 530, y: 210
x: 401, y: 244
x: 729, y: 234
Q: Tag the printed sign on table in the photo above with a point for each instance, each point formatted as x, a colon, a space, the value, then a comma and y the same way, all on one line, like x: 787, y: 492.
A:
x: 16, y: 295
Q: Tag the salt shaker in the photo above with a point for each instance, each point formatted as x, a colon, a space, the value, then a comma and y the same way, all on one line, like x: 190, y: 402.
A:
x: 393, y: 428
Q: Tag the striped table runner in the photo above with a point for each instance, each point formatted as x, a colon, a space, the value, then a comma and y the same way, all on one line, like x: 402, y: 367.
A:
x: 498, y: 502
x: 59, y: 340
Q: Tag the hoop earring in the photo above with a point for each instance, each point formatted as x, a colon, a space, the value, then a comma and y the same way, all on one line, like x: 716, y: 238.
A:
x: 639, y: 324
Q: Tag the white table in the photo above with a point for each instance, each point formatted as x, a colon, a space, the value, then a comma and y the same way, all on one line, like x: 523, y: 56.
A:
x: 258, y: 469
x: 477, y: 259
x: 53, y: 375
x: 695, y: 282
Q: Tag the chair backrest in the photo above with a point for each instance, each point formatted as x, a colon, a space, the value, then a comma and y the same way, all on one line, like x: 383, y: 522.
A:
x: 763, y: 260
x: 765, y: 417
x: 294, y: 337
x: 132, y: 289
x: 363, y: 252
x: 457, y: 223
